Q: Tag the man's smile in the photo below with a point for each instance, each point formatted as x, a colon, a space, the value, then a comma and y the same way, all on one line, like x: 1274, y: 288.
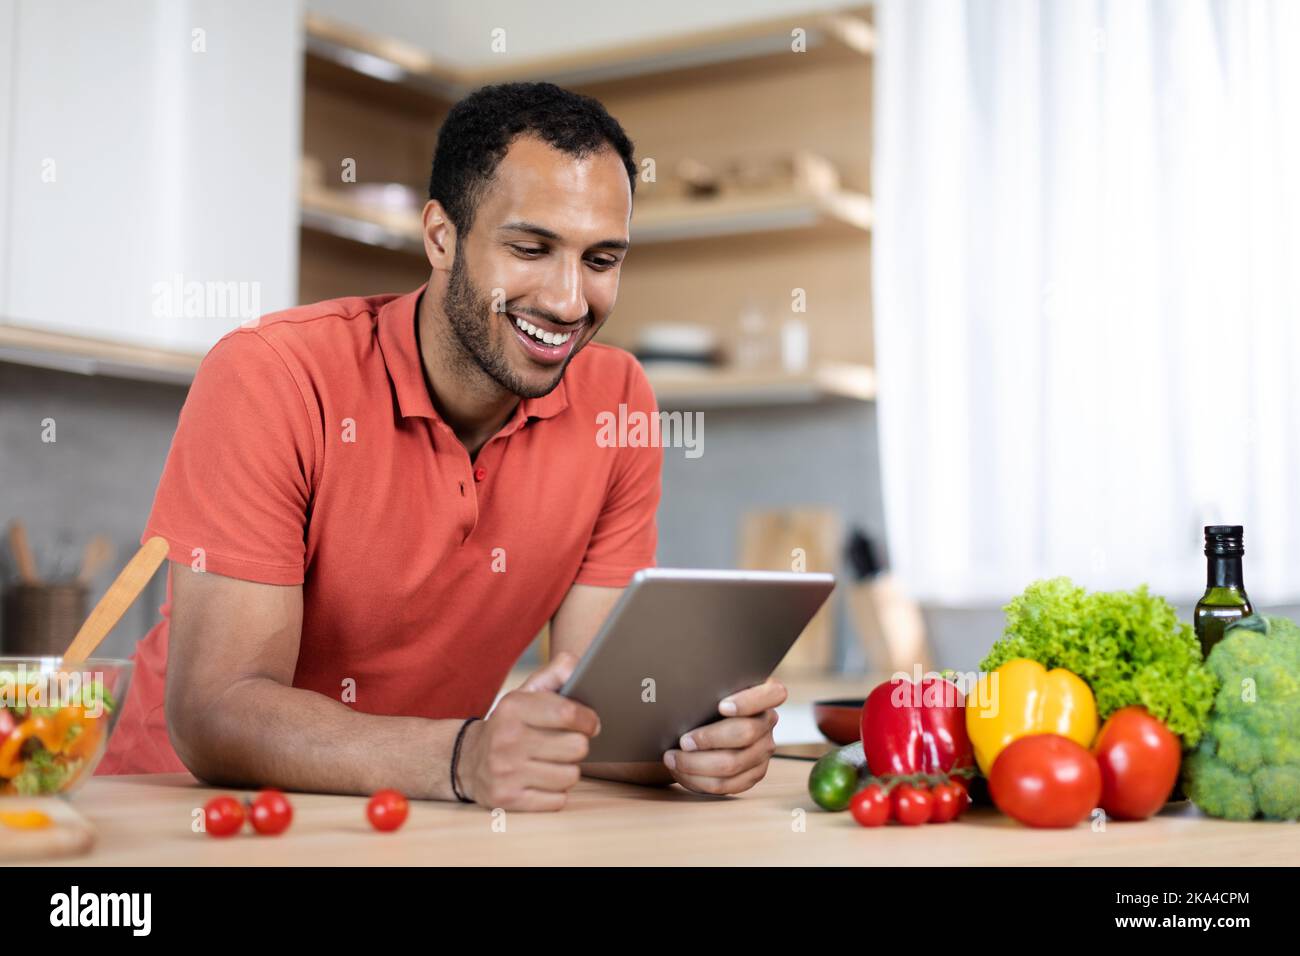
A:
x: 544, y: 342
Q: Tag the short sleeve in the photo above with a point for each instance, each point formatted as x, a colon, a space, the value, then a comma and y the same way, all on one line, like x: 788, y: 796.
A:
x: 625, y: 536
x: 236, y: 488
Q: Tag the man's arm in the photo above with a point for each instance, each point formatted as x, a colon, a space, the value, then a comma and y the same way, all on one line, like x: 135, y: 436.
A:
x: 236, y: 720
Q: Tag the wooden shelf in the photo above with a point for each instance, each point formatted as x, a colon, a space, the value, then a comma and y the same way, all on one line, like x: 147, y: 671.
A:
x: 331, y: 212
x: 394, y: 62
x: 90, y: 356
x: 733, y: 388
x: 711, y: 388
x: 742, y: 214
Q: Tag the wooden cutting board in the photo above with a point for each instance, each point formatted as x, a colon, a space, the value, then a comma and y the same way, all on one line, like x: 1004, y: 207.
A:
x: 68, y: 833
x: 797, y: 539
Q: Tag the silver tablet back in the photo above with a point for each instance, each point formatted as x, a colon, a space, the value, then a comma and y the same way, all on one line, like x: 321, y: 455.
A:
x: 678, y: 642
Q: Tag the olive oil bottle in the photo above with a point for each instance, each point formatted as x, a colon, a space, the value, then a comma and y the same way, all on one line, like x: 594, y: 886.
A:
x: 1225, y: 597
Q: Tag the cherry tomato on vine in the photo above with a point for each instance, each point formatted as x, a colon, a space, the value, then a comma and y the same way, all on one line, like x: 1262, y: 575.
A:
x: 870, y: 806
x: 949, y: 802
x: 912, y: 805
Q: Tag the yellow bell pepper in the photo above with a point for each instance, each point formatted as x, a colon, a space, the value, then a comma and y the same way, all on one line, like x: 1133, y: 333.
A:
x: 1022, y: 697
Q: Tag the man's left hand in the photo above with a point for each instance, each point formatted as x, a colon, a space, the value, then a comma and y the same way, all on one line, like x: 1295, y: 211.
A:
x: 730, y: 755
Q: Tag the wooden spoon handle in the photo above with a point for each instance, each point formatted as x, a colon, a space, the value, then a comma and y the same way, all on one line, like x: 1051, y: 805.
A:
x: 97, y: 553
x: 22, y: 550
x: 120, y: 595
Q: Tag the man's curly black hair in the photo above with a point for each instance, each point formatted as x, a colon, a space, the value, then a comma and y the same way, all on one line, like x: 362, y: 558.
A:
x: 480, y: 128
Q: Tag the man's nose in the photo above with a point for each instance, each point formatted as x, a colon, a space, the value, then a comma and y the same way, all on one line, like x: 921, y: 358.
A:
x: 563, y: 295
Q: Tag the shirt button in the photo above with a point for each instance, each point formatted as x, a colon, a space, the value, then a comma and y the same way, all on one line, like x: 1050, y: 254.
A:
x: 480, y: 473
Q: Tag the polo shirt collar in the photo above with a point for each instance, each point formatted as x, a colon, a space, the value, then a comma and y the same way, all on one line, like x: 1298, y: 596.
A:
x: 401, y: 351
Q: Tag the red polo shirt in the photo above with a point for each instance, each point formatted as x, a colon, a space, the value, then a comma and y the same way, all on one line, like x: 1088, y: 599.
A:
x: 309, y: 452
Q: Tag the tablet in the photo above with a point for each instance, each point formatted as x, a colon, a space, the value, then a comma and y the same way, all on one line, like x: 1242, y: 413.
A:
x: 678, y: 642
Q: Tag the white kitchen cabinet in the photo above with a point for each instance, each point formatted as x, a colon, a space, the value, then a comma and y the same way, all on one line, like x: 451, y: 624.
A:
x: 153, y: 147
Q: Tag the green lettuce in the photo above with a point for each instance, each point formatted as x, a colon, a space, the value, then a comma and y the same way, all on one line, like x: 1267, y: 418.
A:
x: 1129, y: 646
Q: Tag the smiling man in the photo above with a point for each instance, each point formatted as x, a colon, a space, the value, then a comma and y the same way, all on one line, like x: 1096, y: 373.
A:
x: 374, y: 504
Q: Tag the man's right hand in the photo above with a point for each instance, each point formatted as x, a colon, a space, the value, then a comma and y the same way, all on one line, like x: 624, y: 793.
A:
x: 527, y: 754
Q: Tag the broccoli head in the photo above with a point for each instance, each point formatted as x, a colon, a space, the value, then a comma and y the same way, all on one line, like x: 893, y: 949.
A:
x: 1248, y: 762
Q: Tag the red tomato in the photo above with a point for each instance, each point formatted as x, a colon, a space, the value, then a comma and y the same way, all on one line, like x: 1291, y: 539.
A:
x: 949, y: 802
x: 912, y: 805
x: 6, y: 723
x: 1139, y: 758
x: 870, y: 806
x: 270, y: 813
x: 1045, y: 780
x: 223, y: 816
x: 387, y: 810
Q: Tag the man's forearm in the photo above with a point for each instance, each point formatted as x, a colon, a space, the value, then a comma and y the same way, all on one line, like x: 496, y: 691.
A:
x: 260, y: 733
x: 648, y: 774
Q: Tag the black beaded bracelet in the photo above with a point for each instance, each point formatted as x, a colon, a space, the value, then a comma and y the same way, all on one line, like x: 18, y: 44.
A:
x: 455, y: 759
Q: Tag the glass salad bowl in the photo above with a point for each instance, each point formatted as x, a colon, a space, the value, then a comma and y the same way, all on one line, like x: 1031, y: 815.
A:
x: 55, y: 721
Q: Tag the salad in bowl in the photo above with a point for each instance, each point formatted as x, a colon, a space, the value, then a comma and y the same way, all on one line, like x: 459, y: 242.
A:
x: 55, y: 721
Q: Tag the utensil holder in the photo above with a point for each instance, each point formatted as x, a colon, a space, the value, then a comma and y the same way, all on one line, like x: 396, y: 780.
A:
x: 40, y: 620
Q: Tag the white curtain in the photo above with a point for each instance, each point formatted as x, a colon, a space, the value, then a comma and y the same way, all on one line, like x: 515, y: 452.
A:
x: 1087, y: 275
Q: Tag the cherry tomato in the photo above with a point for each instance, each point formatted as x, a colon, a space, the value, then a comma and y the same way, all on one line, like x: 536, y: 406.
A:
x: 912, y: 806
x: 223, y: 816
x: 387, y: 810
x: 949, y: 802
x: 967, y: 801
x: 270, y: 813
x: 1045, y: 780
x: 870, y: 806
x: 1139, y: 758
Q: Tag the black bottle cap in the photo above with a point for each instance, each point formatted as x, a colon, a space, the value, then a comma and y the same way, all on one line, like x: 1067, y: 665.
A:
x: 1224, y: 541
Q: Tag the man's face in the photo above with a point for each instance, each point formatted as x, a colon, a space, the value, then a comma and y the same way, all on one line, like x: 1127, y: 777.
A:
x: 544, y: 250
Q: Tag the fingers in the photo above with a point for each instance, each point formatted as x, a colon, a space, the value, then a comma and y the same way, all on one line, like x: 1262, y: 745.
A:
x: 546, y: 710
x: 720, y: 786
x: 733, y: 733
x: 552, y: 777
x: 557, y: 746
x: 753, y: 700
x: 528, y: 754
x: 552, y: 677
x: 722, y: 763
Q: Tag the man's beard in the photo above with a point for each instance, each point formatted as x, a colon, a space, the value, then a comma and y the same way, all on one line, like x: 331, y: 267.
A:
x: 467, y: 311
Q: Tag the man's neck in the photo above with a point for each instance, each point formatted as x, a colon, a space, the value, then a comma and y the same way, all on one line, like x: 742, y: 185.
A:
x: 469, y: 401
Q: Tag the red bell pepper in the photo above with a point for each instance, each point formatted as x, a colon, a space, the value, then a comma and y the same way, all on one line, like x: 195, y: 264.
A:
x: 910, y: 728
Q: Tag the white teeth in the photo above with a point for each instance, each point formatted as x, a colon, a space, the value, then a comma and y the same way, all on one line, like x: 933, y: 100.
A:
x: 549, y: 338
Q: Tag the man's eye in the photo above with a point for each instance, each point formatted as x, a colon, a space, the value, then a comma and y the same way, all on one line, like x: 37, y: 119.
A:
x: 603, y: 263
x: 528, y: 251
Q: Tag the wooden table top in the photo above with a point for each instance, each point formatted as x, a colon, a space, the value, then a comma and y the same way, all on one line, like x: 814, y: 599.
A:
x: 147, y: 820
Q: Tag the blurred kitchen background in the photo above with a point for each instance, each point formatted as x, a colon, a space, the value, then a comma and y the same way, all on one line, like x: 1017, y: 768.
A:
x: 969, y: 293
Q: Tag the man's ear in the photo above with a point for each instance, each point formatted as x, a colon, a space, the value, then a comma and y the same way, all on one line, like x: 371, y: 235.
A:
x: 439, y: 236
